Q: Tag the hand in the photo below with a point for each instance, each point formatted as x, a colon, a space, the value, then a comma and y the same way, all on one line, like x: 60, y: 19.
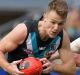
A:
x: 47, y: 65
x: 14, y: 70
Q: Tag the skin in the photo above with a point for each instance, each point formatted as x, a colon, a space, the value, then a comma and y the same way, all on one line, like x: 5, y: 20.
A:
x: 51, y: 27
x: 48, y: 27
x: 75, y: 48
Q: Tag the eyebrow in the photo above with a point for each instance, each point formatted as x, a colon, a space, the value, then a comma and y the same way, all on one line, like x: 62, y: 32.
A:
x: 52, y: 20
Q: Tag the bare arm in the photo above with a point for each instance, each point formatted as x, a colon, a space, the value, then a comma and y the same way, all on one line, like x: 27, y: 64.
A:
x: 9, y: 43
x: 68, y: 66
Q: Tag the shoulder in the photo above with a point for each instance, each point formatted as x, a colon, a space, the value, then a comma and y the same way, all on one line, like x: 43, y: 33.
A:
x: 20, y: 29
x: 20, y: 26
x: 65, y: 33
x: 18, y: 34
x: 14, y: 37
x: 66, y: 40
x: 65, y: 36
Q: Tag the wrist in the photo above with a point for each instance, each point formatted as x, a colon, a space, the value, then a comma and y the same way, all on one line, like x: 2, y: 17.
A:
x: 7, y: 67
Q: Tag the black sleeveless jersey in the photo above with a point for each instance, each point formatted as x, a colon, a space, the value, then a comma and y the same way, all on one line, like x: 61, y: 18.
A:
x: 34, y: 46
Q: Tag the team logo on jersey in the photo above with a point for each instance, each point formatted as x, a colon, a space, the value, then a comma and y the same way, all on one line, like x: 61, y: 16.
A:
x: 32, y: 46
x: 42, y: 48
x: 53, y: 46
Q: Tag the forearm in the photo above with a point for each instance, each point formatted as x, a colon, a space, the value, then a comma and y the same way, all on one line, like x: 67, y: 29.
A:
x: 64, y: 69
x: 3, y: 62
x: 11, y: 68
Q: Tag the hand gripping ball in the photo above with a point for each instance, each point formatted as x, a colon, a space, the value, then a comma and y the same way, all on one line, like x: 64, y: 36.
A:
x: 31, y: 66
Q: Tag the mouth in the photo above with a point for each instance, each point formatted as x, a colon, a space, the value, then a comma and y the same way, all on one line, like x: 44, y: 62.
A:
x: 53, y: 33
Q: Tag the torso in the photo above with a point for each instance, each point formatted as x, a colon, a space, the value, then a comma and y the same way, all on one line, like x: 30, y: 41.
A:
x: 34, y: 46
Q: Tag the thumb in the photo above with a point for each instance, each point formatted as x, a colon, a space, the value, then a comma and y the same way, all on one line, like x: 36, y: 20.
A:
x: 17, y: 62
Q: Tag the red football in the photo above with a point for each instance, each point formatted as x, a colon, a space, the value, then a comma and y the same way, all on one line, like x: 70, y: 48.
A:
x: 31, y: 66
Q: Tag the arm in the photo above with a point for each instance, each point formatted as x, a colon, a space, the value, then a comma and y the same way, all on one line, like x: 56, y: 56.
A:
x: 9, y: 43
x: 75, y: 48
x: 68, y: 66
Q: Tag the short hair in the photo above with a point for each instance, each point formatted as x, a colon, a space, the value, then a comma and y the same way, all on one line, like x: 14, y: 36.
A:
x: 60, y: 6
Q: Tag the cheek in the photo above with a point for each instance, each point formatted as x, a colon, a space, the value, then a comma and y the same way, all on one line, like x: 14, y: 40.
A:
x: 48, y: 30
x: 48, y: 26
x: 60, y: 28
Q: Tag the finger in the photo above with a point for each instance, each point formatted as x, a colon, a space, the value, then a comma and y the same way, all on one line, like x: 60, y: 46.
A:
x: 21, y: 73
x: 46, y: 65
x: 17, y: 72
x: 17, y: 62
x: 43, y: 60
x: 46, y: 70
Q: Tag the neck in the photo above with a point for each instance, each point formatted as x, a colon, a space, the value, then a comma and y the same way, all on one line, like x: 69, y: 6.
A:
x: 42, y: 32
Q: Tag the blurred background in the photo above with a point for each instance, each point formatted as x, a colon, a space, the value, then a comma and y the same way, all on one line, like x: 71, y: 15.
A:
x: 15, y: 11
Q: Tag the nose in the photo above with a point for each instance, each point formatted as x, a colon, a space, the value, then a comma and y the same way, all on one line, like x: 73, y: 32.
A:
x: 56, y: 26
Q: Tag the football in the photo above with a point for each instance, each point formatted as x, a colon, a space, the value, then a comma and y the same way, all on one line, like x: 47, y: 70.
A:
x: 31, y: 66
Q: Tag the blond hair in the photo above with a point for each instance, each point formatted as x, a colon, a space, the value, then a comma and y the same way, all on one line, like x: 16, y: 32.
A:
x: 60, y: 6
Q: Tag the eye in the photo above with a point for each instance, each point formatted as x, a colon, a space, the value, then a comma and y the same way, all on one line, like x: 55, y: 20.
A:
x: 61, y: 23
x: 53, y: 22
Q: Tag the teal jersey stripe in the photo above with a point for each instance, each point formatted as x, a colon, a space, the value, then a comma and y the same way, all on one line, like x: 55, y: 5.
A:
x: 39, y: 54
x: 34, y: 44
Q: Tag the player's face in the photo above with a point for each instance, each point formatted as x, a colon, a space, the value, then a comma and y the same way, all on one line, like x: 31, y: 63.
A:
x: 53, y: 24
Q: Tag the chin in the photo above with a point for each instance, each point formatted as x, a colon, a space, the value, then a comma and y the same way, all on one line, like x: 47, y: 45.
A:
x: 52, y: 36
